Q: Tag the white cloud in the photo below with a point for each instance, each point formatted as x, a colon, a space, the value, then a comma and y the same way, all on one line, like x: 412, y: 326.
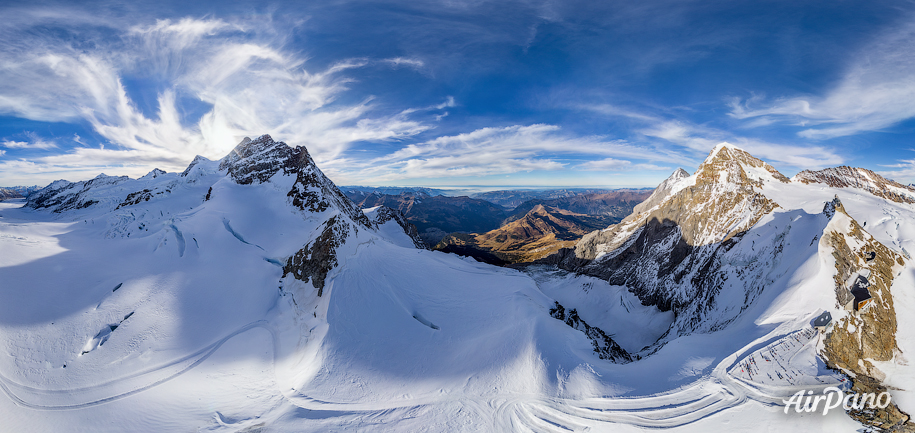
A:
x: 876, y: 91
x: 904, y: 171
x: 402, y: 61
x: 702, y: 139
x: 491, y: 151
x: 33, y: 142
x: 251, y: 84
x: 611, y: 164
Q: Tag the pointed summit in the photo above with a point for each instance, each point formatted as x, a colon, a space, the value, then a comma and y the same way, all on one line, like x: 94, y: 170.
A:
x: 730, y: 163
x: 662, y: 191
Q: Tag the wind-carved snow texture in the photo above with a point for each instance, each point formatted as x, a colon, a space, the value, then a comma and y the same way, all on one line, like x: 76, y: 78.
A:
x: 229, y: 337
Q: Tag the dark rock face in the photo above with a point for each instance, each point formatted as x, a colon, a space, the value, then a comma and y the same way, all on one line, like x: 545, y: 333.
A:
x: 8, y: 193
x: 135, y: 198
x: 256, y: 161
x: 315, y: 260
x: 604, y: 346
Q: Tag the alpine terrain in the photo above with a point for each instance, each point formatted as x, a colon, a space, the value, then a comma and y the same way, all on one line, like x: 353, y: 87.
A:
x: 249, y: 294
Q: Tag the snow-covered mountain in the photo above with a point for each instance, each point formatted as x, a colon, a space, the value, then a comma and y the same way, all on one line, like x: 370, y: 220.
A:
x: 249, y: 294
x: 860, y: 178
x: 708, y: 246
x: 8, y: 193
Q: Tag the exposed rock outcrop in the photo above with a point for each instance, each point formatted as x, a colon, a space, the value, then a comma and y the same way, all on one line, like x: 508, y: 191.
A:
x: 859, y: 338
x: 604, y: 346
x: 861, y: 178
x: 314, y: 261
x: 385, y: 214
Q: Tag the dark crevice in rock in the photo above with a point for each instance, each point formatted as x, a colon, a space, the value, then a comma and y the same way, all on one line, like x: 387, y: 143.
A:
x: 604, y: 346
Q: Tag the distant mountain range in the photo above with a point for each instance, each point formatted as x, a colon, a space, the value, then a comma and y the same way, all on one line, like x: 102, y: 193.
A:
x: 540, y: 232
x: 435, y: 216
x: 17, y: 191
x: 439, y: 216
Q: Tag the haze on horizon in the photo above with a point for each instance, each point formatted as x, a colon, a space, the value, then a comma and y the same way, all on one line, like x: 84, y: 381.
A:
x: 457, y: 93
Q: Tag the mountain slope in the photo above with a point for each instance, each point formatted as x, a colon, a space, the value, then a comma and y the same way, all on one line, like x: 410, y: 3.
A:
x: 539, y: 233
x: 615, y: 204
x: 860, y: 178
x: 670, y: 255
x: 436, y: 216
x: 8, y: 193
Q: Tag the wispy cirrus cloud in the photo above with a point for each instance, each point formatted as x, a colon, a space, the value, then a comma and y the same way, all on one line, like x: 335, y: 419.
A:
x: 498, y: 151
x: 688, y: 142
x: 876, y: 92
x: 701, y: 139
x: 902, y: 171
x: 249, y: 83
x: 612, y: 164
x: 32, y: 141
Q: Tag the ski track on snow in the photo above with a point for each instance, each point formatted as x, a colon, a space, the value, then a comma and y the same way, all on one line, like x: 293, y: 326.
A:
x: 201, y: 355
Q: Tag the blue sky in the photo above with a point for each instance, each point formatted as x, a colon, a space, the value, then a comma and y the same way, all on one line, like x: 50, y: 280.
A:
x: 453, y: 93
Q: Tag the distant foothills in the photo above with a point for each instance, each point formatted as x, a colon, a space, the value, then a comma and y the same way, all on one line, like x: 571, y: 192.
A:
x: 507, y: 226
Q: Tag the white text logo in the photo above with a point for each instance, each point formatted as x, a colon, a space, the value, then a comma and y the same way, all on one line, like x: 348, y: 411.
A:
x: 832, y: 398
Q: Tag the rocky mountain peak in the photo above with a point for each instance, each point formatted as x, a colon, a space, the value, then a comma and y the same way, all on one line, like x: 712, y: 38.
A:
x: 861, y: 178
x: 729, y: 163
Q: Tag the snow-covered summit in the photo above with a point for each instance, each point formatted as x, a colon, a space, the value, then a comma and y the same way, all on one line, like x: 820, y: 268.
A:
x: 154, y: 173
x: 672, y: 184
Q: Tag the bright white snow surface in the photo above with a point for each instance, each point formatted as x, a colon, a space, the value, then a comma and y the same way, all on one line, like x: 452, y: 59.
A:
x: 401, y: 340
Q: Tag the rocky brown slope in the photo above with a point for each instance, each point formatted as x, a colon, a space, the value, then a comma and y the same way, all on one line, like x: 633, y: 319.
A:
x: 859, y: 338
x: 539, y: 233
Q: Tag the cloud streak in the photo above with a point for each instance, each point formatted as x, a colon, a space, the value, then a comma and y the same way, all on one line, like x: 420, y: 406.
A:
x: 498, y: 151
x: 876, y: 92
x: 249, y: 82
